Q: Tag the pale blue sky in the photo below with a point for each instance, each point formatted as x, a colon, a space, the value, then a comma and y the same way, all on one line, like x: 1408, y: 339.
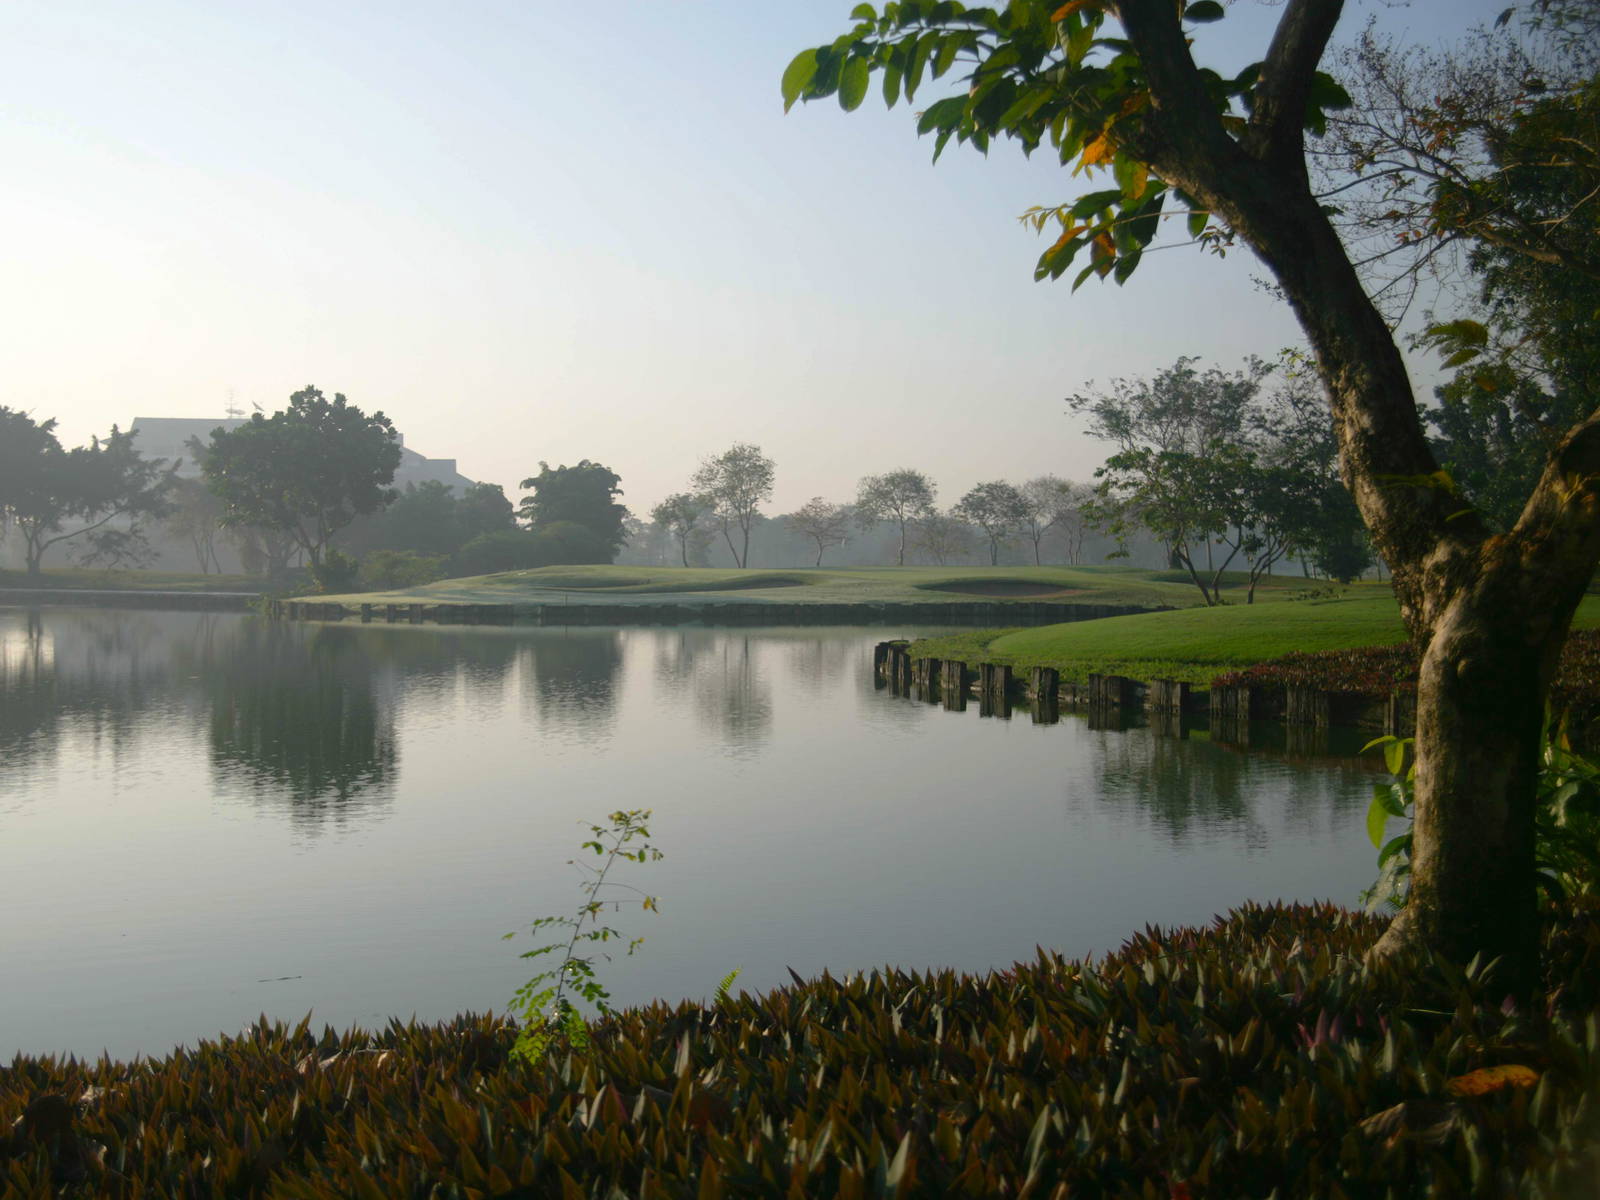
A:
x: 525, y: 234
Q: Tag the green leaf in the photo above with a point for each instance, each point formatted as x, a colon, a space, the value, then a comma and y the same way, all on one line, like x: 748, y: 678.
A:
x: 891, y: 85
x: 1393, y: 847
x: 1394, y: 757
x: 798, y: 76
x: 1377, y: 819
x: 853, y: 80
x: 949, y: 47
x: 863, y: 12
x: 1203, y: 11
x: 942, y: 115
x: 1094, y: 202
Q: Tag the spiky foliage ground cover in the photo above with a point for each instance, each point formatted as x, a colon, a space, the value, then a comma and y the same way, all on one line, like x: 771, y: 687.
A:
x: 1256, y: 1057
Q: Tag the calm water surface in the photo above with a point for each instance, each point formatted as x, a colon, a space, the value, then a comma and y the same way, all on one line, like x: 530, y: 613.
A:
x: 204, y: 817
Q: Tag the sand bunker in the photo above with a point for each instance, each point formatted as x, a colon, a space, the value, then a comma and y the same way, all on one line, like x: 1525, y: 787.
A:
x: 1007, y: 589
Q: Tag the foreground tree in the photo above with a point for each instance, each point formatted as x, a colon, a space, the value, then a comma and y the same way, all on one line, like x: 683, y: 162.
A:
x: 306, y: 471
x: 901, y: 496
x: 584, y: 494
x: 735, y: 484
x: 825, y: 523
x: 51, y: 496
x: 1491, y: 610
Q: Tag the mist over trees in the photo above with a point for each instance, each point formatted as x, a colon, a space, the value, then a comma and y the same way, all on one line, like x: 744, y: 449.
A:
x: 736, y: 483
x: 902, y: 496
x: 50, y: 495
x: 307, y: 471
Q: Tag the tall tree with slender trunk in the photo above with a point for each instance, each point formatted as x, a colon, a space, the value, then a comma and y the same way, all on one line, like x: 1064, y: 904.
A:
x: 827, y: 524
x: 901, y: 496
x: 737, y: 483
x: 680, y: 514
x: 1227, y: 153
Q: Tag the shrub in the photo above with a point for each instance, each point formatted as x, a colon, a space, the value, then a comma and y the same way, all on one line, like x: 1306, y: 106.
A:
x: 1257, y: 1056
x: 383, y: 570
x: 560, y: 543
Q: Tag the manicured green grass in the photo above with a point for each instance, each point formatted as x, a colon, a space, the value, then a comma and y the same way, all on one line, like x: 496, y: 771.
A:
x: 868, y: 585
x: 99, y: 579
x: 1193, y: 644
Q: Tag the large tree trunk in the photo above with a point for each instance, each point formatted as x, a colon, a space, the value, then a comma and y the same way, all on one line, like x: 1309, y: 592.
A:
x: 1490, y: 612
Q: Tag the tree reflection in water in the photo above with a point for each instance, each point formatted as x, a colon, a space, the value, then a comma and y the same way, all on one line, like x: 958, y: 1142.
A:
x: 295, y: 722
x: 574, y: 680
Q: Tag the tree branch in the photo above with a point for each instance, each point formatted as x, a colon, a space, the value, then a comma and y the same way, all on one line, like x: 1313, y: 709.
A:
x: 1284, y: 86
x: 1186, y: 116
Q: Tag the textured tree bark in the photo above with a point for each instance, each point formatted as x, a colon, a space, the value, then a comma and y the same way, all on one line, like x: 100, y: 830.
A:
x: 1491, y: 612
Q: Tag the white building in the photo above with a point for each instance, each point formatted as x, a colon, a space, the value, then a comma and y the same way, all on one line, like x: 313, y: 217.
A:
x: 168, y: 438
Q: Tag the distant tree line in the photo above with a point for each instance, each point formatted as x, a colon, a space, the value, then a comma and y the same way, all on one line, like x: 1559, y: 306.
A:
x: 1210, y: 471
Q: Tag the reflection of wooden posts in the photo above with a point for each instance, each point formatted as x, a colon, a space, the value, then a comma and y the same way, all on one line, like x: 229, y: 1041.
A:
x: 1167, y: 696
x: 1400, y: 714
x: 994, y: 679
x: 1231, y: 710
x: 1044, y: 685
x: 1167, y: 722
x: 1305, y: 739
x: 414, y: 613
x: 366, y: 614
x: 953, y: 684
x: 994, y: 690
x: 1109, y: 716
x: 1307, y: 706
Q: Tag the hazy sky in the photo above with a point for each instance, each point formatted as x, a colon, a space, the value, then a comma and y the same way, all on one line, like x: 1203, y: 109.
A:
x: 525, y: 234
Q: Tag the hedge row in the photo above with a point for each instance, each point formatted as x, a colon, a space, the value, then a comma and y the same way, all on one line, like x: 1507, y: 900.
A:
x: 1376, y: 671
x: 1256, y: 1057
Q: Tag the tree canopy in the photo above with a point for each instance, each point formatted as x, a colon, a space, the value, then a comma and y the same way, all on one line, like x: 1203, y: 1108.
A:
x: 50, y: 495
x: 735, y: 484
x: 307, y: 471
x: 584, y: 495
x: 901, y: 496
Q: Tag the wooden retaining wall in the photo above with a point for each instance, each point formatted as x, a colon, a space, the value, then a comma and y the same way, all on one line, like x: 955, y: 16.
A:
x: 1307, y: 712
x: 732, y: 613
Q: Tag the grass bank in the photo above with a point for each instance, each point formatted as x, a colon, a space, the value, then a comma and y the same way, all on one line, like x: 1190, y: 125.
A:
x: 862, y: 585
x: 1258, y: 1056
x: 104, y: 580
x: 1195, y: 644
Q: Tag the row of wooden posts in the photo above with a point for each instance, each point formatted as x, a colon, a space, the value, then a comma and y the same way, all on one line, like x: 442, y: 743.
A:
x: 413, y: 614
x: 995, y: 685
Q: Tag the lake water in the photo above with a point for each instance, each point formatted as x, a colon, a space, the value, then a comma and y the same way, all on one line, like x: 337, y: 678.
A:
x: 205, y: 816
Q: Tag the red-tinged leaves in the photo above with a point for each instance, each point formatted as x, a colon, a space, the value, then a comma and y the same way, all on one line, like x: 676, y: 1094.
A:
x: 1492, y: 1079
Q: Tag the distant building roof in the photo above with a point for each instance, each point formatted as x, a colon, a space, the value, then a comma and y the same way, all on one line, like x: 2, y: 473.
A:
x: 168, y: 437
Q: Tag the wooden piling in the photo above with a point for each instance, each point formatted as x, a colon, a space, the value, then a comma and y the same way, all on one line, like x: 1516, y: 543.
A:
x: 1400, y: 714
x: 1167, y: 696
x: 1307, y: 706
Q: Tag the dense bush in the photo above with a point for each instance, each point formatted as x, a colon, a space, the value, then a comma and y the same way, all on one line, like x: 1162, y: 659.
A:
x: 561, y: 543
x: 1256, y: 1057
x: 385, y: 569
